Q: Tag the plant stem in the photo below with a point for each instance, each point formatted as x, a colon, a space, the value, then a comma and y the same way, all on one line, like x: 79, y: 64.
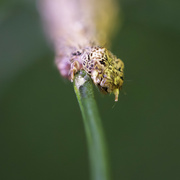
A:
x: 94, y: 132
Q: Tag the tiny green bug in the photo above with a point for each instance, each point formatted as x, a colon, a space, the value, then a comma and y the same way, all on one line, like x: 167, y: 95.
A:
x: 105, y: 69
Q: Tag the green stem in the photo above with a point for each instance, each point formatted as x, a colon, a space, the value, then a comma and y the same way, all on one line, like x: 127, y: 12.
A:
x: 94, y: 132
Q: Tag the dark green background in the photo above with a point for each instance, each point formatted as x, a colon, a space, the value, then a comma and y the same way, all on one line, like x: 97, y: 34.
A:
x: 41, y: 130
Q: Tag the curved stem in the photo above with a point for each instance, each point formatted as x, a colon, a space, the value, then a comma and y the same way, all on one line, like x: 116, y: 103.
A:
x: 93, y: 127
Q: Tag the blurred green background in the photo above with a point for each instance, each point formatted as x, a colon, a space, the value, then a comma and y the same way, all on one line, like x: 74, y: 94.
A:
x: 41, y: 129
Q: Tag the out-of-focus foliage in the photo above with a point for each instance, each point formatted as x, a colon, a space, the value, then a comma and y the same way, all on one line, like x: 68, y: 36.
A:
x: 21, y: 39
x: 41, y: 129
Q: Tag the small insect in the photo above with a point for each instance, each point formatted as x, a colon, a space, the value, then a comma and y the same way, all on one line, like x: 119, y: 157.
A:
x: 105, y: 69
x: 76, y: 36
